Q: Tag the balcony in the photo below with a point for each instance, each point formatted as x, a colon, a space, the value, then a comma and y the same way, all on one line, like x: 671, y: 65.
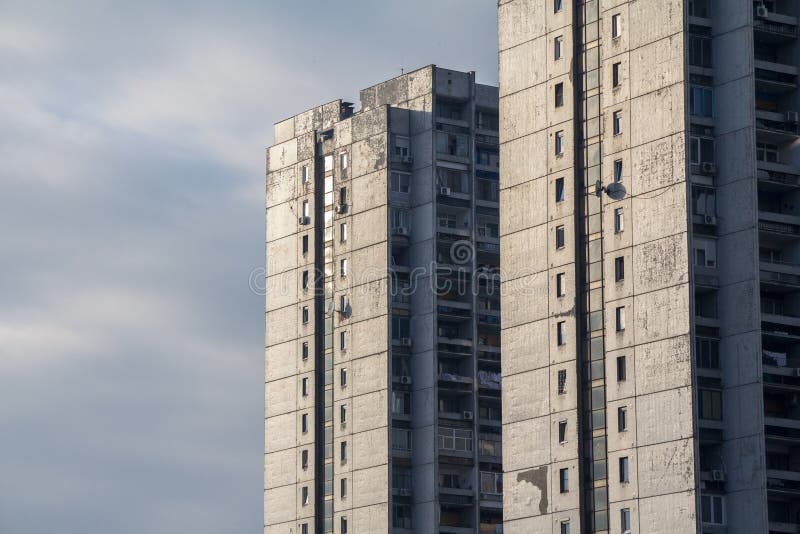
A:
x: 489, y: 382
x: 455, y: 381
x: 779, y: 225
x: 490, y: 448
x: 777, y: 177
x: 776, y: 127
x: 783, y: 528
x: 775, y: 29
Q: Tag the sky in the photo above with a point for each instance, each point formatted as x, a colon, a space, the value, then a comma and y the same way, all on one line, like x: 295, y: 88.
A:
x: 132, y: 140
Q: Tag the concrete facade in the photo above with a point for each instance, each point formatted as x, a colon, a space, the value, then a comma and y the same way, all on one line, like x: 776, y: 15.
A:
x: 650, y: 328
x: 382, y: 313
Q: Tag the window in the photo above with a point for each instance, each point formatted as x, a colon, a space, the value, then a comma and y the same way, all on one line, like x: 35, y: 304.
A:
x: 625, y: 520
x: 712, y: 509
x: 619, y: 269
x: 343, y: 414
x: 562, y: 431
x: 559, y: 143
x: 399, y: 218
x: 617, y: 118
x: 402, y: 146
x: 342, y: 304
x: 619, y: 220
x: 701, y: 100
x: 343, y: 376
x: 305, y: 245
x: 699, y: 8
x: 623, y: 469
x: 563, y: 480
x: 401, y: 515
x: 304, y: 174
x: 701, y: 150
x: 557, y: 5
x: 399, y: 182
x: 304, y: 423
x: 343, y: 488
x: 705, y: 252
x: 306, y: 209
x: 621, y: 369
x: 305, y: 314
x: 562, y: 381
x: 711, y: 404
x: 616, y: 27
x: 618, y: 170
x: 454, y: 439
x: 304, y: 528
x: 707, y: 352
x: 305, y: 279
x: 700, y: 51
x: 343, y: 452
x: 328, y: 163
x: 767, y: 152
x: 304, y: 350
x: 491, y: 482
x: 343, y: 160
x: 560, y: 290
x: 560, y: 190
x: 557, y: 42
x: 342, y: 196
x: 622, y: 419
x: 343, y: 525
x: 564, y: 527
x: 620, y: 318
x: 343, y: 340
x: 343, y: 268
x: 559, y: 95
x: 304, y: 386
x: 304, y: 495
x: 615, y: 74
x: 343, y: 232
x: 560, y: 236
x: 561, y: 333
x: 304, y: 459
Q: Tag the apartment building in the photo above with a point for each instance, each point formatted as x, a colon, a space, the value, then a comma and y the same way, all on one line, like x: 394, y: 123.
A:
x: 383, y: 313
x: 650, y: 238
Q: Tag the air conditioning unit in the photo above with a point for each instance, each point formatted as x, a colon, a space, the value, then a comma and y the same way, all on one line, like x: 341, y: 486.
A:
x: 762, y: 12
x: 341, y: 208
x: 710, y: 219
x: 400, y: 230
x: 407, y: 159
x: 467, y: 415
x: 444, y: 191
x: 793, y: 117
x: 708, y: 167
x: 718, y: 475
x: 405, y: 380
x: 304, y: 220
x: 405, y: 341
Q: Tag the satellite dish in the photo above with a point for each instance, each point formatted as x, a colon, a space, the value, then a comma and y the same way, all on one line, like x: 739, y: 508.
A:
x: 615, y: 191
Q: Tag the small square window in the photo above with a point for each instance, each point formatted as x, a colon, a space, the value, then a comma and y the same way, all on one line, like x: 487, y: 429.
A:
x: 343, y: 377
x: 561, y: 334
x: 343, y: 488
x: 343, y: 268
x: 560, y: 193
x: 619, y: 220
x: 619, y: 269
x: 625, y: 520
x: 306, y: 209
x: 616, y: 25
x: 304, y: 423
x: 304, y: 495
x: 623, y: 469
x: 304, y: 459
x: 343, y: 196
x: 304, y: 350
x: 304, y: 528
x: 304, y: 175
x: 617, y: 126
x: 558, y: 5
x: 620, y: 318
x: 342, y: 304
x: 557, y: 42
x: 343, y: 232
x: 343, y: 160
x: 305, y: 279
x: 564, y: 527
x: 559, y: 148
x: 343, y: 340
x: 562, y: 381
x: 562, y: 431
x: 560, y: 236
x: 563, y: 480
x: 305, y: 315
x: 559, y: 97
x: 615, y: 74
x: 343, y: 452
x: 343, y: 414
x: 304, y: 386
x: 343, y: 525
x: 305, y: 244
x: 621, y: 369
x: 560, y: 289
x: 622, y: 419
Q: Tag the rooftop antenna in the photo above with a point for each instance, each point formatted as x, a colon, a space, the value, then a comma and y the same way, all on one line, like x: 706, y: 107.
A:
x: 402, y: 71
